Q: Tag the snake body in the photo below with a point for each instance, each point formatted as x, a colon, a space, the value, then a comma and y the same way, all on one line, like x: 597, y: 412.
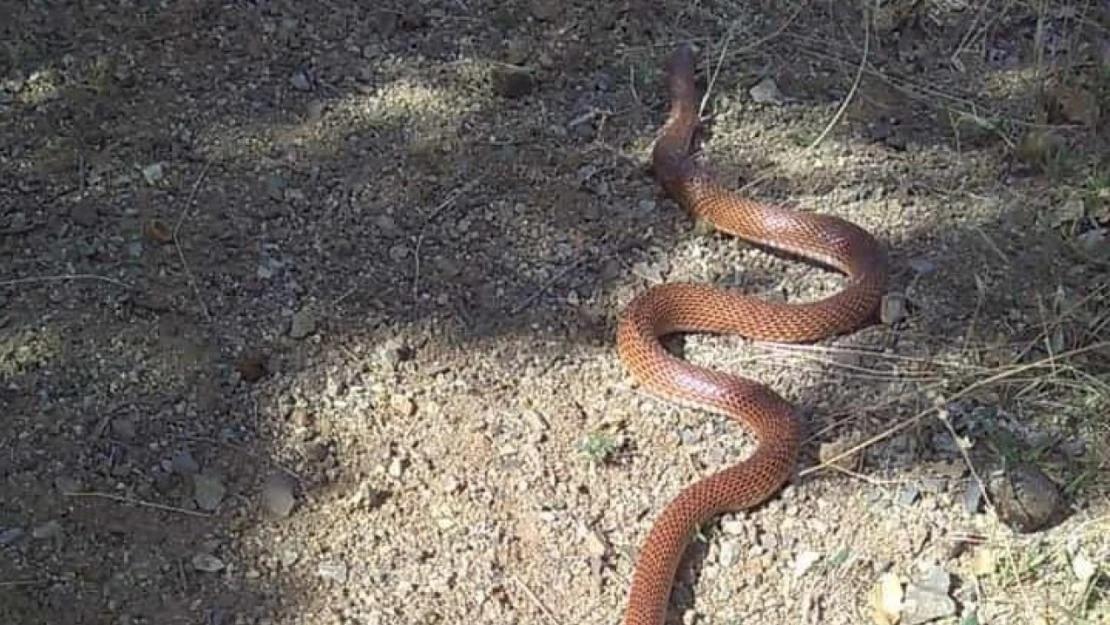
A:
x: 691, y: 307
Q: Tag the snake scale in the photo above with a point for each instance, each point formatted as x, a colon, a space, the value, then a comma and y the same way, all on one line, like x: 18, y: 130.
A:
x: 692, y: 307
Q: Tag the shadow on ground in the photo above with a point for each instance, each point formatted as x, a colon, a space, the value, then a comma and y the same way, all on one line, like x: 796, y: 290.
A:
x: 200, y: 195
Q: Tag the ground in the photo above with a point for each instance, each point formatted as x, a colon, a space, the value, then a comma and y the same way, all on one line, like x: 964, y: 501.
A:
x: 307, y: 310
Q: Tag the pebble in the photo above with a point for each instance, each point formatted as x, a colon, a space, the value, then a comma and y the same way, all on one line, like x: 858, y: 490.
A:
x: 596, y: 545
x: 734, y: 527
x: 333, y: 571
x: 1025, y: 498
x: 510, y: 81
x: 277, y: 495
x: 927, y: 598
x: 766, y: 91
x: 769, y: 541
x: 1095, y: 242
x: 402, y: 405
x: 399, y: 252
x: 386, y: 224
x: 303, y: 324
x: 47, y: 530
x: 396, y: 467
x: 908, y: 496
x: 922, y: 265
x: 66, y: 484
x: 10, y: 535
x: 893, y: 308
x: 805, y: 561
x: 251, y: 367
x: 275, y: 186
x: 392, y: 353
x: 183, y: 463
x: 207, y: 563
x: 84, y: 214
x: 300, y: 81
x: 154, y: 173
x: 729, y: 550
x: 208, y: 491
x: 689, y: 436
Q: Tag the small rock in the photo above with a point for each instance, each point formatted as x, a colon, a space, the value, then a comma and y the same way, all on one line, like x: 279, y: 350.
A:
x: 396, y: 467
x: 67, y: 485
x: 908, y: 496
x: 413, y: 17
x: 922, y: 265
x: 973, y: 497
x: 511, y: 81
x: 303, y: 324
x: 392, y: 352
x: 183, y: 463
x: 300, y: 81
x: 927, y: 599
x: 303, y: 418
x: 766, y: 91
x: 315, y: 111
x: 1078, y: 105
x: 398, y: 252
x: 596, y: 545
x: 689, y: 436
x: 333, y: 571
x: 544, y: 11
x: 1095, y: 242
x: 769, y: 541
x: 984, y: 562
x: 402, y: 405
x: 830, y: 453
x: 584, y: 130
x: 886, y: 600
x: 10, y: 535
x: 1083, y: 568
x: 47, y: 530
x: 893, y: 308
x: 277, y: 495
x: 154, y: 173
x: 733, y: 527
x: 84, y: 214
x: 1025, y: 498
x: 386, y: 224
x: 207, y: 563
x: 275, y: 187
x: 729, y: 550
x: 251, y: 367
x: 208, y: 490
x: 517, y: 51
x: 158, y: 232
x: 365, y: 497
x: 603, y: 81
x: 123, y: 428
x: 317, y: 451
x: 804, y: 561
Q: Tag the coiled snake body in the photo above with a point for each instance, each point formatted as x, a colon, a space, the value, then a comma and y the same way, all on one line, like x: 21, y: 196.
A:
x: 685, y: 307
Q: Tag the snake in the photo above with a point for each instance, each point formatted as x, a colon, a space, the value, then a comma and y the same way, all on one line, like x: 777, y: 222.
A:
x: 689, y: 307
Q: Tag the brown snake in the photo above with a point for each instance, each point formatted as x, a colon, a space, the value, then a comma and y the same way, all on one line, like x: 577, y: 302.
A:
x: 686, y: 307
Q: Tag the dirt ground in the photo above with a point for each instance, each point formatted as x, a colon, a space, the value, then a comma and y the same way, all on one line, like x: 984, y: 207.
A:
x: 307, y: 310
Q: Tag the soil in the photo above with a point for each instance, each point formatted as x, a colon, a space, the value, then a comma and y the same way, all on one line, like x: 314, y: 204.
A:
x: 307, y: 311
